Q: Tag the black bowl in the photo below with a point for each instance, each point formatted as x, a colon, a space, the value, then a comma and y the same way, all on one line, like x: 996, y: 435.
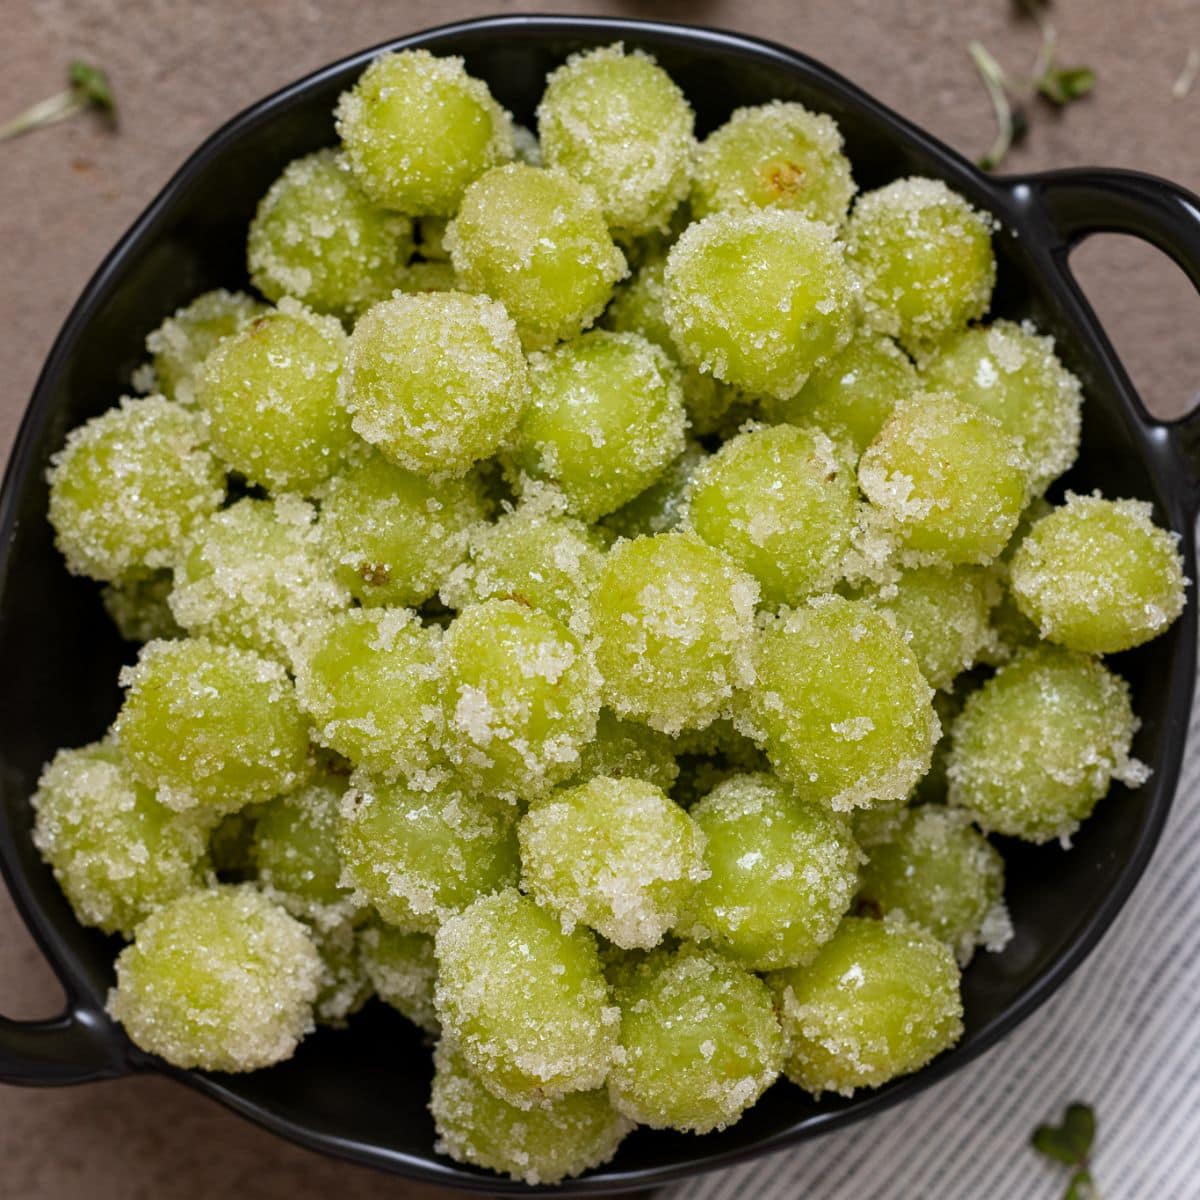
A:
x: 360, y: 1093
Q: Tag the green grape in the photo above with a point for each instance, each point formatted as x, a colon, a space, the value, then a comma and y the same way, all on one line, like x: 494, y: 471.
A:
x: 673, y: 620
x: 252, y: 575
x: 776, y: 155
x: 639, y: 304
x: 781, y: 501
x: 211, y: 726
x: 520, y: 698
x: 428, y: 277
x: 318, y: 238
x: 435, y: 380
x: 402, y: 970
x: 660, y: 507
x: 628, y: 750
x: 344, y: 986
x: 179, y: 346
x: 394, y: 535
x: 605, y: 420
x: 417, y: 129
x: 853, y: 394
x: 139, y: 607
x: 525, y: 1003
x: 1098, y: 575
x: 699, y: 1039
x: 881, y: 822
x: 420, y: 856
x: 947, y: 705
x: 536, y: 240
x: 369, y: 680
x: 128, y: 486
x: 614, y: 854
x: 1011, y: 628
x: 270, y: 394
x: 925, y: 259
x: 542, y: 1145
x: 618, y: 123
x: 840, y: 704
x: 942, y: 873
x: 781, y: 874
x: 880, y: 1000
x: 221, y: 979
x: 947, y: 478
x: 944, y: 613
x: 117, y: 853
x: 1012, y: 374
x: 1037, y: 746
x: 759, y: 298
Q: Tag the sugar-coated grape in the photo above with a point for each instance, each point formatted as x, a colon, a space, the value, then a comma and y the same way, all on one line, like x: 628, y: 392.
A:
x: 628, y: 750
x: 344, y: 986
x: 880, y: 822
x: 618, y: 123
x: 524, y: 1001
x: 434, y: 276
x: 673, y: 621
x: 542, y: 1145
x: 117, y: 853
x: 660, y: 507
x: 699, y: 1041
x: 417, y: 129
x: 1098, y: 575
x: 1038, y: 745
x: 318, y: 238
x: 139, y: 607
x: 402, y: 970
x: 880, y: 1000
x: 221, y: 979
x: 604, y: 421
x: 393, y: 534
x: 211, y: 726
x: 639, y: 304
x: 840, y: 704
x: 925, y: 259
x: 129, y: 485
x: 759, y: 298
x: 776, y: 155
x: 435, y: 380
x: 782, y: 873
x: 536, y: 240
x: 780, y: 500
x: 614, y: 854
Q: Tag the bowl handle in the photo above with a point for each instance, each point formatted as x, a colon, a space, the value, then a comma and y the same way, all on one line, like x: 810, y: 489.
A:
x: 78, y: 1046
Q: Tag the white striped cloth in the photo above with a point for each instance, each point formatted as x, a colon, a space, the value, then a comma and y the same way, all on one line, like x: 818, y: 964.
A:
x: 1122, y: 1034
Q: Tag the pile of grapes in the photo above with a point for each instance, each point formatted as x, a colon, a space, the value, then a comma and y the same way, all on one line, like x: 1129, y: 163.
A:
x: 598, y: 602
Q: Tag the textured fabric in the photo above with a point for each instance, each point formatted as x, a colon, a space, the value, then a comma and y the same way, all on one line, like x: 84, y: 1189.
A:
x: 1123, y: 1033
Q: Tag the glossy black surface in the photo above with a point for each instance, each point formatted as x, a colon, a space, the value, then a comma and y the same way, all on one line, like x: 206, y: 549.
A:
x: 361, y: 1092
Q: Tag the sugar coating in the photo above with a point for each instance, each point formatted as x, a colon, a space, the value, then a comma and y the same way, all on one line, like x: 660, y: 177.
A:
x: 1012, y: 373
x: 759, y: 298
x: 139, y: 607
x: 520, y: 697
x: 840, y: 704
x: 699, y: 1041
x: 402, y: 970
x: 881, y: 822
x: 781, y: 501
x: 605, y: 419
x: 435, y: 380
x: 942, y: 873
x: 775, y: 155
x: 673, y: 621
x: 221, y: 979
x: 417, y: 129
x: 344, y: 985
x: 541, y: 1145
x: 317, y: 237
x: 253, y: 575
x: 925, y: 259
x: 628, y: 750
x: 524, y: 1001
x: 618, y: 123
x: 781, y: 873
x: 179, y: 346
x: 210, y: 726
x: 535, y: 239
x: 614, y: 854
x: 116, y: 852
x: 1038, y: 745
x: 393, y: 534
x: 660, y: 507
x: 880, y: 1000
x: 128, y: 485
x: 1098, y: 575
x: 947, y: 478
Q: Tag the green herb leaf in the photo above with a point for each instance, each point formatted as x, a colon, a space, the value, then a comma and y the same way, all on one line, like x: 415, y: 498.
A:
x: 1051, y: 1141
x: 1079, y: 1128
x: 1064, y: 84
x: 91, y: 83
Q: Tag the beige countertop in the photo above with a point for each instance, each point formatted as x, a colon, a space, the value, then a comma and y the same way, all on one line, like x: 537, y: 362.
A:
x: 180, y: 68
